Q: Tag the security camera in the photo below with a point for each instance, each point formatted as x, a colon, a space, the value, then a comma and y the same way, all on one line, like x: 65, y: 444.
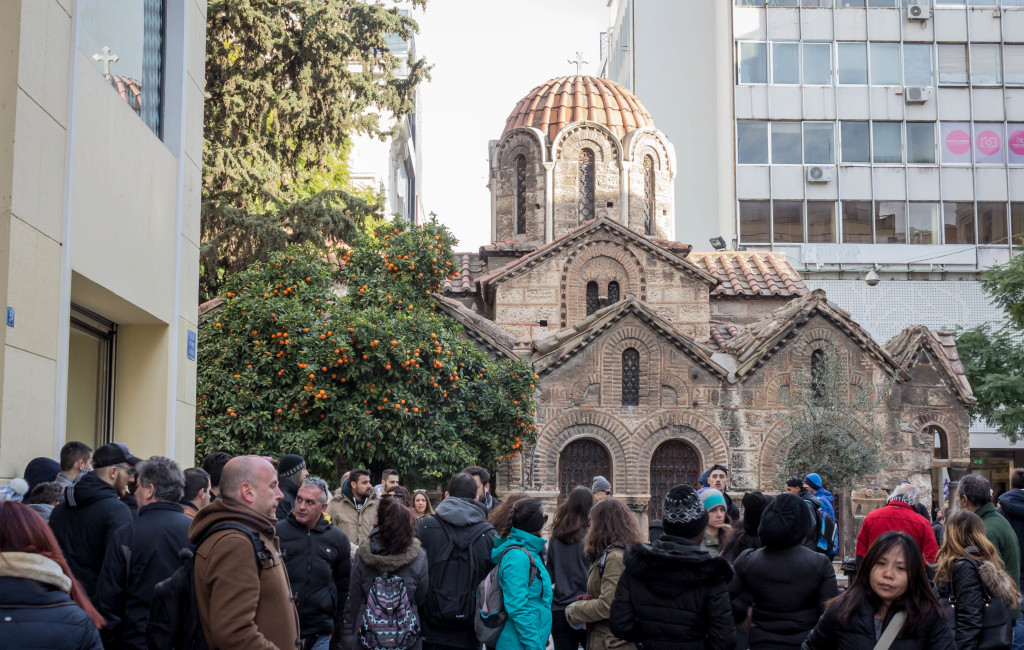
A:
x: 871, y: 279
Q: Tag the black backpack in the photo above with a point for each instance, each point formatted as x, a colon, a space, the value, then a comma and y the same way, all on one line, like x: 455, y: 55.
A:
x: 173, y: 622
x: 451, y: 600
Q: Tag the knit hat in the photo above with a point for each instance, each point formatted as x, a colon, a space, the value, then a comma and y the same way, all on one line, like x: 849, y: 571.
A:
x: 685, y: 515
x: 711, y: 498
x: 785, y: 522
x: 754, y: 504
x: 813, y: 480
x: 40, y: 470
x: 290, y: 465
x: 600, y: 484
x: 795, y: 481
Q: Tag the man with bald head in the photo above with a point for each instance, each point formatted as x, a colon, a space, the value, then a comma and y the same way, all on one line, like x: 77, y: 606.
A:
x: 242, y: 589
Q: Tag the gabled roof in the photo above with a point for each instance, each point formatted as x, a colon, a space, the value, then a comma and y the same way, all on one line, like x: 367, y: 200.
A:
x: 469, y: 264
x: 544, y: 252
x: 496, y: 340
x: 554, y: 350
x: 759, y: 341
x: 751, y: 273
x: 905, y: 346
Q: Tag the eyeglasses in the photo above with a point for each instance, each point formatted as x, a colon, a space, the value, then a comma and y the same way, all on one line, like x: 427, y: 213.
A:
x: 131, y: 472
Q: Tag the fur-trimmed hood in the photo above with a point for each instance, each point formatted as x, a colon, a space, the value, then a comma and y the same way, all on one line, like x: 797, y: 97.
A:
x: 999, y: 584
x: 370, y: 555
x: 672, y: 565
x: 33, y: 566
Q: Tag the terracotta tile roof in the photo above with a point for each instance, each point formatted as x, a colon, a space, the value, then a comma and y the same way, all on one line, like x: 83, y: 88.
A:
x: 469, y: 267
x: 721, y: 333
x: 751, y: 273
x: 679, y: 249
x: 478, y: 328
x: 905, y: 346
x: 557, y: 102
x: 129, y: 89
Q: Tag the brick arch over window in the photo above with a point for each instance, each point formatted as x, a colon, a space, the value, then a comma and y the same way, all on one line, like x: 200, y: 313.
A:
x: 518, y: 171
x: 612, y: 349
x: 650, y: 141
x: 776, y: 447
x: 674, y: 462
x: 586, y: 135
x: 584, y: 264
x: 580, y: 461
x: 680, y: 386
x: 555, y: 435
x: 955, y: 428
x: 578, y: 390
x: 704, y: 438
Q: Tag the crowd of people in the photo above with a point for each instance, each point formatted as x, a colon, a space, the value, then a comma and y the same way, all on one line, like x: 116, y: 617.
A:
x: 108, y: 550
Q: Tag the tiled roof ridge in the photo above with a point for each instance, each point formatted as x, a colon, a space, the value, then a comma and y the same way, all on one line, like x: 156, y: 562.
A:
x: 478, y: 327
x: 758, y: 269
x: 905, y: 345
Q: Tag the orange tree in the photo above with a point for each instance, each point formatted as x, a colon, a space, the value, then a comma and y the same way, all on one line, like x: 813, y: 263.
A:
x: 349, y: 364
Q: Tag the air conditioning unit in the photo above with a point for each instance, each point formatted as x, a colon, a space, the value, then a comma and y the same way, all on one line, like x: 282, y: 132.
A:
x: 820, y: 173
x: 917, y: 94
x: 919, y: 9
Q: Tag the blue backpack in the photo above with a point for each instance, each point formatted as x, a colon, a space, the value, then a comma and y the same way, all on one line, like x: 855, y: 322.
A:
x: 388, y: 621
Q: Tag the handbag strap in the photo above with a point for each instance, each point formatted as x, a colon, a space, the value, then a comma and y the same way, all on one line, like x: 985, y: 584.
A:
x: 891, y: 630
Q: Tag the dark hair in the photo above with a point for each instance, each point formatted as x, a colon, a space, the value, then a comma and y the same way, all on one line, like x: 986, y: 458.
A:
x: 356, y: 474
x: 72, y: 452
x: 479, y: 472
x: 463, y: 486
x: 396, y: 525
x: 502, y: 515
x: 718, y: 467
x: 1017, y: 478
x: 519, y: 515
x: 386, y: 473
x: 611, y: 524
x: 976, y: 488
x: 922, y: 607
x: 46, y: 493
x: 214, y: 464
x: 22, y: 530
x: 196, y: 479
x: 401, y: 493
x: 572, y: 517
x: 743, y: 537
x: 165, y: 475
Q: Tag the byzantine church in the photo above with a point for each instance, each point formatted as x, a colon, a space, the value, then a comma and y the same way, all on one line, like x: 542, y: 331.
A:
x: 656, y: 361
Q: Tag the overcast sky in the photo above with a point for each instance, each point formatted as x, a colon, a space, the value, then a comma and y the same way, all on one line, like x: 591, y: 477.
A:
x: 487, y: 55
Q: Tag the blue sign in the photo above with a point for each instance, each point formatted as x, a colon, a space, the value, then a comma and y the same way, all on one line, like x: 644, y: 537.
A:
x: 10, y: 317
x: 190, y: 350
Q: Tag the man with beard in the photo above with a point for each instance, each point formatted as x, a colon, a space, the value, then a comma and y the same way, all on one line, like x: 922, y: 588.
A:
x: 91, y: 511
x: 353, y: 508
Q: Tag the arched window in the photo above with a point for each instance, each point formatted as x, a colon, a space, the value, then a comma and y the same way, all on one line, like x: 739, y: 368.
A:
x: 520, y: 194
x: 648, y: 195
x: 578, y: 464
x: 585, y: 189
x: 673, y: 463
x: 818, y: 378
x: 613, y: 292
x: 630, y: 377
x: 592, y: 298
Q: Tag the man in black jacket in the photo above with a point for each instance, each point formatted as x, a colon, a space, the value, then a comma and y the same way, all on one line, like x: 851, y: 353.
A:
x: 143, y: 553
x: 291, y: 472
x: 1011, y: 506
x: 91, y: 511
x: 317, y: 556
x: 458, y: 541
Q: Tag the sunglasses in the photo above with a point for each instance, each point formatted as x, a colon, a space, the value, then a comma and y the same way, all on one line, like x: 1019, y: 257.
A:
x: 131, y: 472
x: 419, y: 491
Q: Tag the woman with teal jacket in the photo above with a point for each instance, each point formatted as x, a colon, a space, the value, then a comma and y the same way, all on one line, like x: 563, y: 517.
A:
x: 524, y: 581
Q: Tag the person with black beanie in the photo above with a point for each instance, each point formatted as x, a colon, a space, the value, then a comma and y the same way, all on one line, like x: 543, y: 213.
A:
x: 672, y: 595
x: 745, y: 536
x: 786, y: 583
x: 291, y: 472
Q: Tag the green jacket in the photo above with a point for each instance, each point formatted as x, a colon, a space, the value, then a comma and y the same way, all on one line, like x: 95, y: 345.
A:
x: 528, y: 605
x: 1001, y: 534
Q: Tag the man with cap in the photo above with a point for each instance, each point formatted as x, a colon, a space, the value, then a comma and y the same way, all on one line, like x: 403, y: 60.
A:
x: 601, y: 488
x: 291, y: 472
x: 92, y: 510
x: 813, y: 483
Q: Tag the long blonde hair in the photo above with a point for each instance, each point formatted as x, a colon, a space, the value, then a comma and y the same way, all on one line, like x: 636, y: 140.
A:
x: 964, y: 529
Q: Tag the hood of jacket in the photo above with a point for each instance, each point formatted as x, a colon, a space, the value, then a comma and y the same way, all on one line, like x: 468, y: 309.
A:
x: 370, y: 555
x: 33, y: 566
x: 344, y: 493
x: 518, y: 537
x: 785, y: 522
x: 999, y: 583
x: 457, y: 511
x: 223, y: 510
x: 87, y: 490
x: 673, y: 565
x: 824, y: 495
x: 1012, y: 503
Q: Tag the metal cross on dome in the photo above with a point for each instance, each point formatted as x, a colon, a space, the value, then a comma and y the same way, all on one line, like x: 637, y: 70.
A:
x: 579, y: 62
x: 107, y: 58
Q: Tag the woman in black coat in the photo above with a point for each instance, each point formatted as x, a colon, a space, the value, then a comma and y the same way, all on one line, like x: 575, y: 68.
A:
x: 787, y: 583
x: 891, y: 581
x: 569, y: 565
x: 41, y: 604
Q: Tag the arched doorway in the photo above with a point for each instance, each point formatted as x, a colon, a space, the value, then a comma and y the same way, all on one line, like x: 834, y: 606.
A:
x: 578, y: 464
x: 674, y: 463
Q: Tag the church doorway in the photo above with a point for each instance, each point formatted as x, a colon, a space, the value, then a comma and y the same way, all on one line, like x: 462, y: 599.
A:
x: 578, y: 464
x: 674, y: 463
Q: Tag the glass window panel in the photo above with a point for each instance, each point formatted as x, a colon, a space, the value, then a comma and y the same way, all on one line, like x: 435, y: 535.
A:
x: 1013, y: 64
x: 917, y: 64
x: 890, y: 222
x: 819, y: 143
x: 985, y: 65
x: 982, y: 3
x: 920, y: 142
x: 1013, y: 3
x: 992, y: 223
x: 752, y: 143
x: 749, y: 3
x: 818, y: 63
x: 753, y: 63
x: 989, y: 147
x: 788, y: 217
x: 883, y: 3
x: 1015, y: 142
x: 754, y: 218
x: 885, y: 64
x: 783, y: 3
x: 786, y: 63
x: 887, y: 141
x: 821, y: 222
x: 853, y: 63
x: 786, y: 148
x: 951, y: 2
x: 816, y: 3
x: 857, y: 222
x: 952, y: 64
x: 1017, y: 224
x: 856, y: 141
x: 850, y: 3
x: 956, y: 142
x: 924, y: 223
x: 958, y: 222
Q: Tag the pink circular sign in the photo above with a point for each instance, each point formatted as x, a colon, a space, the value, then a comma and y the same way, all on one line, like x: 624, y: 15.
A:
x: 989, y: 143
x: 958, y: 142
x: 1016, y: 142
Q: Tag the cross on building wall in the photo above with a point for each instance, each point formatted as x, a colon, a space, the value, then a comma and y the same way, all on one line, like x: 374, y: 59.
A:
x: 107, y: 57
x: 579, y: 62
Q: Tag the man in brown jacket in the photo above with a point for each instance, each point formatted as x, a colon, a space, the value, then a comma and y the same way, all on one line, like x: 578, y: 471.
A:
x: 353, y: 508
x: 241, y: 604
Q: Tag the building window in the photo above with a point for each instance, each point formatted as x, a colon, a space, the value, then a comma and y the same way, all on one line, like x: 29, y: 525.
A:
x: 1013, y: 64
x: 752, y: 143
x: 853, y: 63
x: 613, y: 292
x: 924, y: 223
x: 887, y: 138
x: 956, y: 142
x: 819, y: 143
x: 921, y: 142
x: 885, y: 64
x: 821, y: 222
x: 991, y: 223
x: 788, y: 221
x: 856, y: 142
x: 585, y: 205
x: 890, y: 222
x: 958, y: 223
x: 520, y: 195
x: 754, y: 221
x: 917, y: 64
x: 988, y: 144
x: 630, y: 377
x: 753, y: 63
x: 648, y: 195
x: 986, y: 66
x: 817, y: 64
x: 857, y: 222
x: 1015, y: 143
x: 786, y: 146
x: 818, y: 378
x: 952, y: 64
x: 785, y: 63
x: 1017, y: 224
x: 593, y: 301
x: 91, y: 361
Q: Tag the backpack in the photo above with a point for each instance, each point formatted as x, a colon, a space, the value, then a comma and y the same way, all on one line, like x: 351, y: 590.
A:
x: 173, y: 622
x: 451, y: 601
x: 490, y: 617
x: 828, y: 534
x: 388, y: 621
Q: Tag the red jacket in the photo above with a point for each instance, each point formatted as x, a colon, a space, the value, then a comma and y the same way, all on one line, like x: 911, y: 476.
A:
x: 897, y: 515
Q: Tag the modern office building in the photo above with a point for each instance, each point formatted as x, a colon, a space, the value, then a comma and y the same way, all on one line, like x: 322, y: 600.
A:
x: 101, y: 119
x: 852, y: 135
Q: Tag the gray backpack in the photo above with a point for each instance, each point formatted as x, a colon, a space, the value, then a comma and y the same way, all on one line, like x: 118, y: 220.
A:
x: 491, y: 616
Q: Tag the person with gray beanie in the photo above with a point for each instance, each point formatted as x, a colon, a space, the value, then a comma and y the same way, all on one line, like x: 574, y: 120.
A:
x: 672, y: 595
x: 601, y: 488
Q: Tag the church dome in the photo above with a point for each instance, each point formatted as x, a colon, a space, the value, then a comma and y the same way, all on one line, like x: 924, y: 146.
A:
x: 558, y: 102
